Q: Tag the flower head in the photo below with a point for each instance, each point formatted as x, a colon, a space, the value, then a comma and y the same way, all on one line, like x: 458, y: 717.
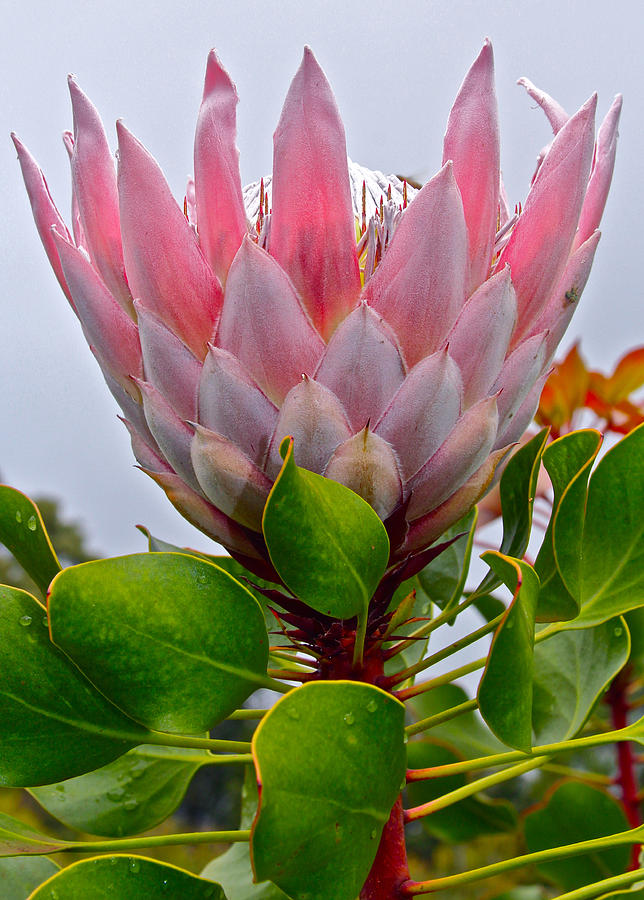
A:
x: 401, y: 336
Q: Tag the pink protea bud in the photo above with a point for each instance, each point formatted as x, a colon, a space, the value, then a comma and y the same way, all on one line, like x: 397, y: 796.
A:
x: 400, y: 335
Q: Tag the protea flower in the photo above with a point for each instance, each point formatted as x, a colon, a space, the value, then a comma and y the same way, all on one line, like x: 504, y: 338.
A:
x: 401, y: 336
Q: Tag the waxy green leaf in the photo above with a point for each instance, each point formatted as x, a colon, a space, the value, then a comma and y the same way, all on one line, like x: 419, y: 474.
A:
x: 17, y: 838
x: 517, y: 487
x: 342, y: 548
x: 232, y: 869
x: 53, y: 723
x: 607, y: 574
x: 324, y: 801
x: 22, y: 531
x: 505, y: 690
x: 568, y: 462
x: 120, y: 877
x: 577, y: 812
x: 172, y: 640
x: 20, y: 875
x: 128, y: 796
x: 464, y: 821
x: 571, y: 671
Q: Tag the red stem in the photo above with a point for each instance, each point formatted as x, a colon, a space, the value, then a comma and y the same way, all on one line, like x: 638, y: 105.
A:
x: 619, y: 708
x: 390, y: 869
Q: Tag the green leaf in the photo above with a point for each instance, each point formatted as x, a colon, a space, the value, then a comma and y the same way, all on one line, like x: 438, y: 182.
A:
x: 22, y: 531
x: 608, y: 576
x: 53, y: 723
x: 230, y: 565
x: 518, y: 486
x: 20, y: 875
x: 172, y: 640
x: 505, y: 690
x: 17, y: 838
x: 443, y: 579
x: 577, y: 812
x: 467, y: 732
x: 464, y: 821
x: 128, y: 796
x: 232, y: 869
x: 125, y: 878
x: 342, y: 549
x: 568, y: 462
x: 324, y: 800
x: 571, y: 671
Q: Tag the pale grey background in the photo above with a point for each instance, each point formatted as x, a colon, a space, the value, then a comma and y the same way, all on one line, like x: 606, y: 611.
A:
x: 395, y: 68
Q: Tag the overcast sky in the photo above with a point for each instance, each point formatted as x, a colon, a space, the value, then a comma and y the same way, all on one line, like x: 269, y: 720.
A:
x: 395, y: 69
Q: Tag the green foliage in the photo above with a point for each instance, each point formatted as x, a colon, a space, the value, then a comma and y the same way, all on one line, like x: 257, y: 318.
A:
x: 602, y: 562
x: 120, y: 877
x: 172, y: 640
x: 107, y: 697
x: 577, y: 812
x: 505, y: 691
x: 23, y: 533
x: 130, y: 795
x: 568, y: 461
x: 20, y: 875
x: 53, y: 723
x: 318, y: 826
x: 571, y: 671
x: 342, y: 547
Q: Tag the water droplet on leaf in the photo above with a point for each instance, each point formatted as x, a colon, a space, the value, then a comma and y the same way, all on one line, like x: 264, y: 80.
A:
x: 405, y: 738
x: 115, y: 796
x: 18, y: 516
x: 61, y: 788
x: 25, y: 620
x: 372, y: 706
x: 349, y: 718
x: 45, y: 621
x: 32, y: 524
x: 135, y: 866
x: 374, y: 834
x: 164, y: 886
x: 131, y: 804
x: 292, y: 713
x: 617, y: 631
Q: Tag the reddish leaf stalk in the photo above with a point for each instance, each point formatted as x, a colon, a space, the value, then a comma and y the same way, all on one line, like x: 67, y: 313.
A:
x: 619, y: 707
x: 390, y: 870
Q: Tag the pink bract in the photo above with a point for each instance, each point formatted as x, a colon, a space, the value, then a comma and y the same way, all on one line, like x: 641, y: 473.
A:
x: 400, y: 335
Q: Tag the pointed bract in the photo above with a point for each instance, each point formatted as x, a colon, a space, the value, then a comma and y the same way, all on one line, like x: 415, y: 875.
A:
x: 220, y: 210
x: 264, y: 326
x: 481, y: 336
x: 232, y: 405
x: 46, y: 216
x: 423, y: 411
x: 168, y: 364
x: 229, y: 478
x: 420, y: 286
x: 96, y: 193
x: 541, y: 240
x: 459, y: 456
x: 601, y: 175
x: 472, y: 143
x: 312, y: 223
x: 367, y: 465
x: 104, y: 322
x: 362, y: 366
x: 557, y: 115
x: 316, y: 420
x: 164, y: 265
